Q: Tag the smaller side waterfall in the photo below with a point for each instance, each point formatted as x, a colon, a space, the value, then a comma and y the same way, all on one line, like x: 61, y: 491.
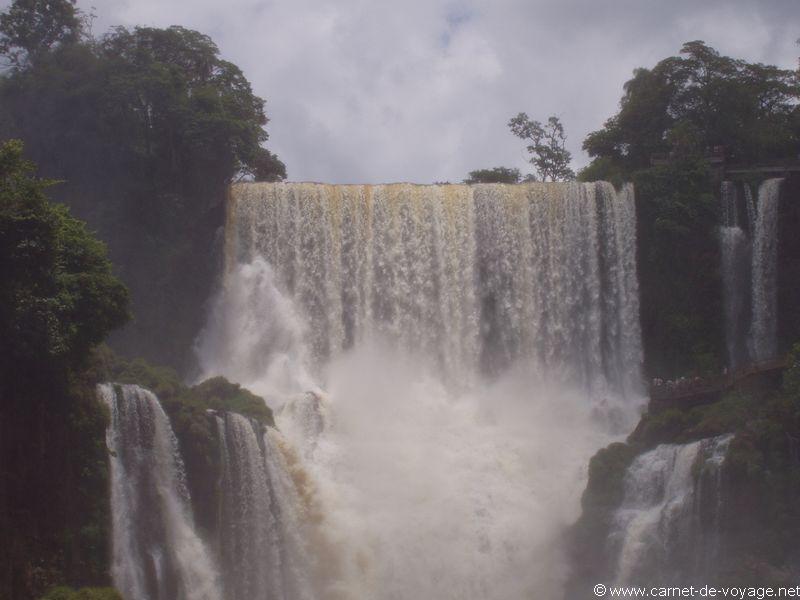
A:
x: 730, y: 209
x: 156, y: 553
x: 749, y: 251
x: 735, y: 252
x: 657, y: 531
x: 750, y: 206
x: 260, y: 537
x: 764, y: 327
x: 735, y: 277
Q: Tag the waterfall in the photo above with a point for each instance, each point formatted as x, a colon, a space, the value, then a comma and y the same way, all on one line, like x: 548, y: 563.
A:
x: 243, y: 345
x: 473, y: 278
x: 657, y: 530
x: 764, y: 325
x: 457, y: 332
x: 749, y: 251
x: 730, y: 208
x: 750, y: 206
x: 261, y: 542
x: 735, y: 256
x: 156, y: 553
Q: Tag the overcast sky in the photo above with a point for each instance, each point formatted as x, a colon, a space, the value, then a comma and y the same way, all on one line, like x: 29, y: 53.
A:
x: 421, y: 90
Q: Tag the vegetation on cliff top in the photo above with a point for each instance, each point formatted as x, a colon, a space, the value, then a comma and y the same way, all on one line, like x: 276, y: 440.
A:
x: 216, y: 393
x: 703, y: 98
x: 58, y: 297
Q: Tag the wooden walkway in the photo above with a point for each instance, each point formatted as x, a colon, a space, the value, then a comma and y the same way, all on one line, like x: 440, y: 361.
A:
x: 707, y: 389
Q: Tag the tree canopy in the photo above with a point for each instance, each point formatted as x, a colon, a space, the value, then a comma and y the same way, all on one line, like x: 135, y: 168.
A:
x: 750, y: 109
x: 31, y: 28
x: 146, y: 127
x: 187, y: 111
x: 157, y: 105
x: 547, y: 146
x: 59, y: 297
x: 495, y: 175
x: 673, y: 119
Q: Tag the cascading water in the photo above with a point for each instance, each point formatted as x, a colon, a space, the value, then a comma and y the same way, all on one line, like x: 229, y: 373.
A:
x: 459, y: 332
x: 470, y: 277
x: 156, y: 553
x: 658, y: 531
x: 735, y: 253
x: 749, y: 251
x: 261, y: 540
x: 750, y: 206
x: 730, y: 207
x: 764, y: 326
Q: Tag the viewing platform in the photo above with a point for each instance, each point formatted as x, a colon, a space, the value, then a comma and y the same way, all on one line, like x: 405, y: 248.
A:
x: 689, y: 392
x: 774, y: 170
x: 723, y: 168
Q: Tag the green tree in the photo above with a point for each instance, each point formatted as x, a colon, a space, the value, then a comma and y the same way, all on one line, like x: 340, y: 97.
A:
x: 146, y: 127
x: 679, y: 283
x: 750, y: 109
x: 33, y: 27
x: 59, y: 297
x: 192, y: 117
x: 495, y: 175
x: 547, y: 146
x: 264, y: 166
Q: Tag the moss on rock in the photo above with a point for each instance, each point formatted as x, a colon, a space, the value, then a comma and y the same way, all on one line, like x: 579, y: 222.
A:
x: 65, y: 593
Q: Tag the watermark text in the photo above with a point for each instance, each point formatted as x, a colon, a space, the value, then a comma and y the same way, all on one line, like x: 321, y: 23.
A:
x: 706, y: 591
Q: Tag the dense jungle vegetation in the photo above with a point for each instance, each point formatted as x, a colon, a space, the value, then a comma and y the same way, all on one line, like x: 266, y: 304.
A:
x: 138, y: 133
x: 58, y: 302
